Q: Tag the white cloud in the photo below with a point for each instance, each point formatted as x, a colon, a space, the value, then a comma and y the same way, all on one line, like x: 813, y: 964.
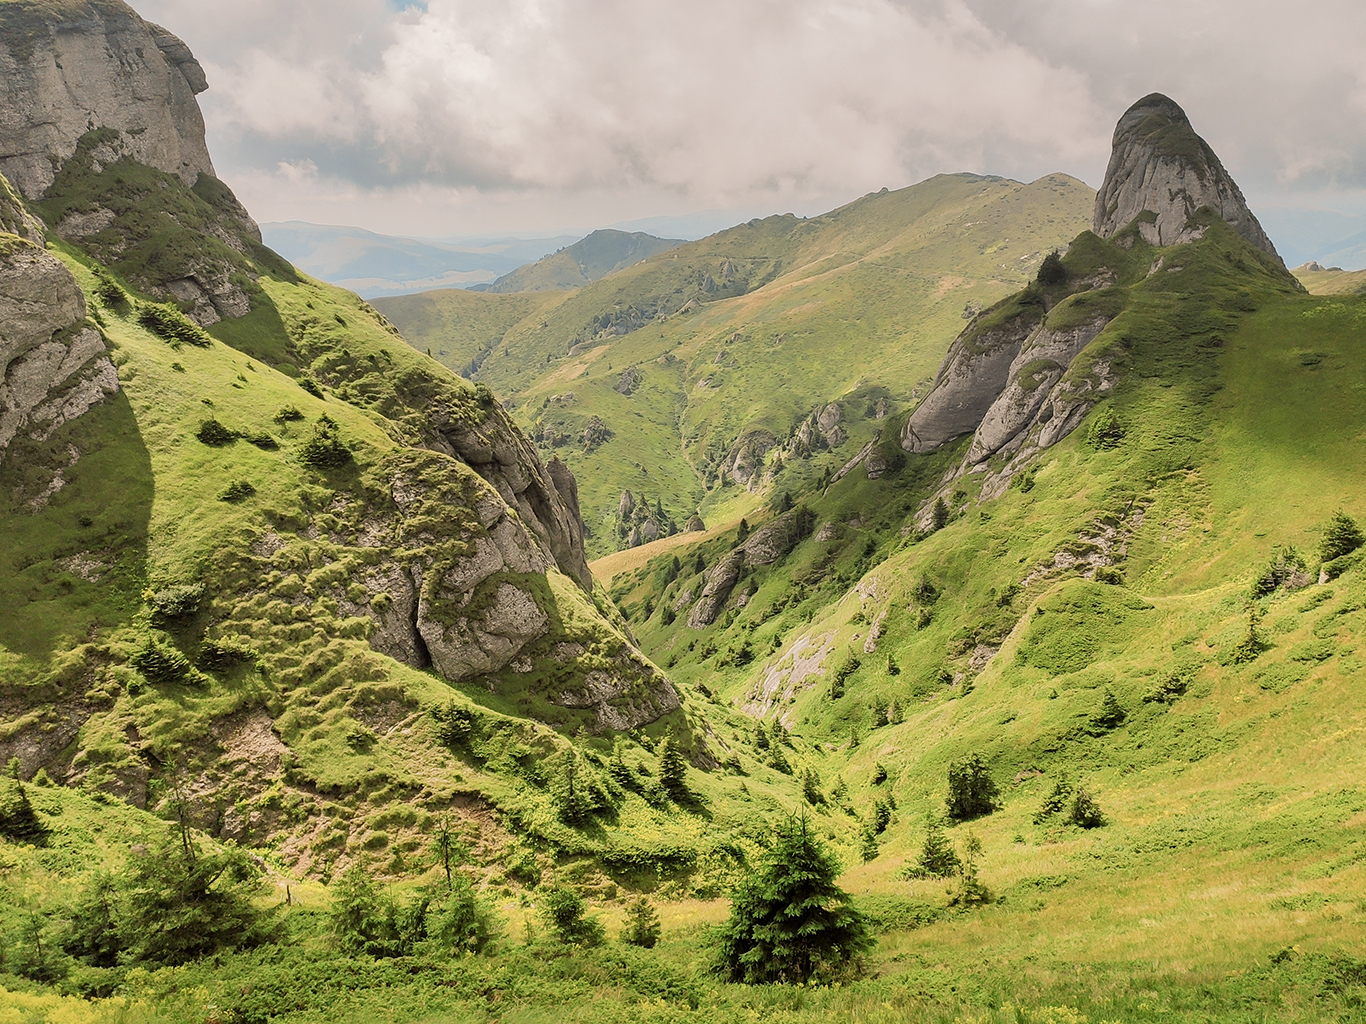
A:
x: 589, y: 111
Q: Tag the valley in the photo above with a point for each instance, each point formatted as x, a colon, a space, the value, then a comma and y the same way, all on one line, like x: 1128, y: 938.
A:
x: 974, y: 573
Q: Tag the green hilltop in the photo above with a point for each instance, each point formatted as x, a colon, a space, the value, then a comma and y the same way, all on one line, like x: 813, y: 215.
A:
x: 592, y: 258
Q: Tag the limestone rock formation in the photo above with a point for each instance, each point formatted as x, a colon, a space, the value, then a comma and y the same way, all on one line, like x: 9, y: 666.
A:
x: 971, y: 378
x: 547, y: 498
x: 73, y: 66
x: 1160, y: 167
x: 53, y: 364
x: 765, y: 546
x: 1005, y: 378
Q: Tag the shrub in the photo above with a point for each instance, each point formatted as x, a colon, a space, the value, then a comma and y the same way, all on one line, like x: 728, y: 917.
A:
x: 170, y: 905
x: 324, y: 450
x: 1341, y: 537
x: 311, y: 386
x: 176, y: 602
x: 1109, y: 575
x: 214, y: 434
x: 642, y: 924
x: 811, y: 787
x: 1051, y: 270
x: 19, y: 823
x: 458, y: 921
x: 238, y: 490
x: 225, y: 652
x: 1110, y: 714
x: 971, y: 890
x: 169, y: 323
x: 1085, y: 811
x: 972, y: 791
x: 264, y: 440
x: 160, y: 663
x: 879, y: 774
x: 937, y: 858
x: 109, y: 291
x: 456, y: 724
x: 288, y: 414
x: 1105, y: 431
x: 1055, y: 802
x: 563, y: 911
x: 1286, y: 568
x: 789, y: 922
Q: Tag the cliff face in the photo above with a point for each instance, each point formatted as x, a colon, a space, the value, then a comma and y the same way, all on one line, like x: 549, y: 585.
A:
x: 53, y: 364
x: 80, y: 64
x: 1159, y: 166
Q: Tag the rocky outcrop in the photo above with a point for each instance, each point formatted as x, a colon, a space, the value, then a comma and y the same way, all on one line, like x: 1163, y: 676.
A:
x: 972, y: 377
x: 1161, y: 168
x: 72, y: 66
x: 1006, y: 378
x: 744, y: 462
x: 1042, y: 361
x: 53, y: 364
x: 547, y: 498
x: 765, y: 546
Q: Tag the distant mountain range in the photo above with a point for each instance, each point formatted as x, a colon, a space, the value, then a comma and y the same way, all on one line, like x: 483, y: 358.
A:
x: 375, y: 265
x: 587, y: 260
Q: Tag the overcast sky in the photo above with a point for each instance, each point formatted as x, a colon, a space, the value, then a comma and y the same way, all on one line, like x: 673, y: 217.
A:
x: 467, y: 116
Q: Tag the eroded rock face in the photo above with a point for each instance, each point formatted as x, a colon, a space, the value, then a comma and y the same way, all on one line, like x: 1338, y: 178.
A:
x: 547, y: 498
x: 765, y: 546
x: 1159, y: 166
x: 974, y: 373
x: 1042, y: 361
x: 95, y: 64
x: 53, y: 365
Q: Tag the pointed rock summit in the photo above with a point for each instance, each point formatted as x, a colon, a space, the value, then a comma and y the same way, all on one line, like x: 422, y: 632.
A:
x: 1161, y: 167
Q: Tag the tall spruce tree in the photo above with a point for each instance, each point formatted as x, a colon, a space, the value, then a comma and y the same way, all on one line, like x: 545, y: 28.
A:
x: 673, y: 769
x: 789, y: 922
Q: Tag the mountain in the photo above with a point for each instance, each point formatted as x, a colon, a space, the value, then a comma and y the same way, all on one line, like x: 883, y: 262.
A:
x: 218, y: 540
x: 587, y: 260
x: 1349, y: 253
x: 701, y: 375
x: 313, y: 709
x: 375, y: 265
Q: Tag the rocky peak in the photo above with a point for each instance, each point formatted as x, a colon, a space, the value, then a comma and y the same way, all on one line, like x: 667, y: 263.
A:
x: 1160, y: 167
x: 72, y: 65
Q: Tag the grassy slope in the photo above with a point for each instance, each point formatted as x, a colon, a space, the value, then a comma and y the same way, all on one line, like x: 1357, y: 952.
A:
x: 1332, y: 282
x: 1232, y: 807
x: 811, y: 306
x: 460, y: 328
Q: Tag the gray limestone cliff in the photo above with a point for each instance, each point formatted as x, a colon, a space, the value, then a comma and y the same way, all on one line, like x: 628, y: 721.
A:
x: 1159, y: 166
x: 76, y: 64
x: 53, y: 363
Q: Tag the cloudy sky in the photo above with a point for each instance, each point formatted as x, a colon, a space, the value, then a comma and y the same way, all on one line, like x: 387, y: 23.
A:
x: 466, y: 116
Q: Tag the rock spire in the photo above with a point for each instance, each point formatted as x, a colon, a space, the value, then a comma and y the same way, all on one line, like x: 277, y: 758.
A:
x: 1161, y: 167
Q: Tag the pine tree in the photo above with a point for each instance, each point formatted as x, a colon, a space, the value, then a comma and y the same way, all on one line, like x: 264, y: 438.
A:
x: 972, y: 791
x: 642, y: 924
x: 790, y: 923
x: 673, y: 770
x: 939, y: 518
x: 1341, y: 537
x: 937, y: 857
